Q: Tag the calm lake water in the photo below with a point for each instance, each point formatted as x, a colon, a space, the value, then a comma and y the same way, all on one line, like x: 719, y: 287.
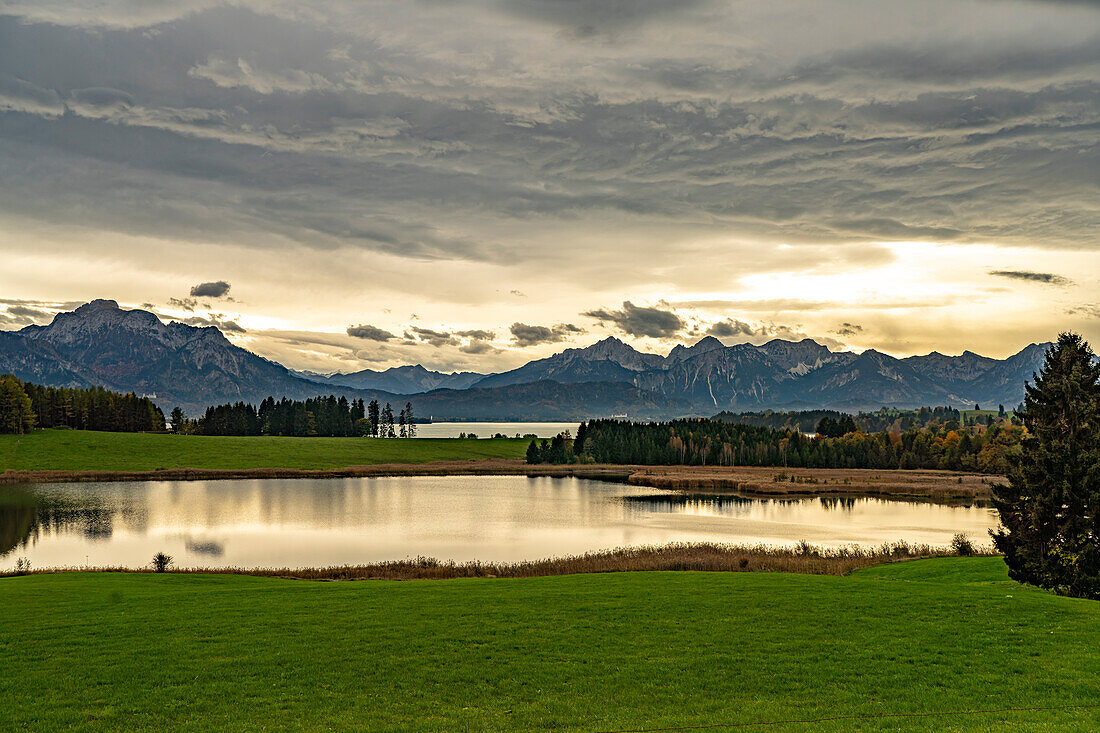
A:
x: 317, y: 522
x: 489, y: 429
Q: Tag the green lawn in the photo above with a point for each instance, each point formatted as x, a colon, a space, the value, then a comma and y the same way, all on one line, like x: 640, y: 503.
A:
x: 85, y: 450
x: 583, y: 652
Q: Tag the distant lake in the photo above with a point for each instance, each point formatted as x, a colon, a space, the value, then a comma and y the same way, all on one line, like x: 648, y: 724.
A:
x: 489, y: 429
x: 319, y: 522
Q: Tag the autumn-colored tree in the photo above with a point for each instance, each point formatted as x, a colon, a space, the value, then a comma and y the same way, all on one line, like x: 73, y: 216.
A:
x: 16, y: 414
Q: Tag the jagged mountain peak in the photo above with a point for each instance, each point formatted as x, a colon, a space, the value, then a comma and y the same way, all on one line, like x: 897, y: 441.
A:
x: 98, y: 304
x: 702, y: 346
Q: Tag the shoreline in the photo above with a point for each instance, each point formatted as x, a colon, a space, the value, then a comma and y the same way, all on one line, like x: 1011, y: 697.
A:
x: 763, y: 482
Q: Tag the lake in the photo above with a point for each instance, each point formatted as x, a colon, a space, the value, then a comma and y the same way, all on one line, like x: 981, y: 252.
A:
x: 320, y: 522
x: 489, y: 429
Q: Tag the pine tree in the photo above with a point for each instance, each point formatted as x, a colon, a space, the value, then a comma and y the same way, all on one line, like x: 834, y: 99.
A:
x: 386, y: 426
x: 410, y: 422
x: 374, y: 417
x: 1050, y: 509
x: 402, y: 431
x: 533, y: 453
x: 178, y: 419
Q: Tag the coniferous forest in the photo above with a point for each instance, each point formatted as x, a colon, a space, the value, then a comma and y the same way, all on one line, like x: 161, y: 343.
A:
x: 982, y: 448
x: 24, y: 406
x: 320, y: 416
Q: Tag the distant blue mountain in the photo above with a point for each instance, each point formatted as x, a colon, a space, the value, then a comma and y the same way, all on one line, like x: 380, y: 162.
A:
x: 177, y: 364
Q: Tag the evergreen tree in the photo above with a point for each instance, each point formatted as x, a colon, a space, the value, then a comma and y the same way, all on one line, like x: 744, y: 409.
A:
x: 410, y: 426
x: 374, y: 417
x: 1050, y: 509
x: 402, y: 431
x: 385, y: 427
x: 178, y: 420
x: 533, y: 453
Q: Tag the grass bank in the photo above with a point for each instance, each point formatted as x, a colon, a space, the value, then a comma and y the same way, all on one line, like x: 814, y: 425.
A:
x: 943, y: 644
x: 71, y: 455
x: 86, y: 450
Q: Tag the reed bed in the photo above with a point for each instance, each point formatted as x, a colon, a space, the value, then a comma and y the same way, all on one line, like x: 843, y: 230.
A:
x: 705, y: 557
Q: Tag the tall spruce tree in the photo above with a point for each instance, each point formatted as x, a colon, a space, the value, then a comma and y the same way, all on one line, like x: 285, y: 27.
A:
x: 386, y: 429
x: 410, y: 427
x: 374, y: 417
x: 1050, y: 508
x: 178, y: 419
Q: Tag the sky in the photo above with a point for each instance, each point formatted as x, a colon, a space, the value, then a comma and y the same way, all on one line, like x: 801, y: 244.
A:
x: 470, y: 185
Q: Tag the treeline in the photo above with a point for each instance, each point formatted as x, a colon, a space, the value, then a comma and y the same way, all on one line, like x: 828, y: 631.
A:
x: 891, y: 419
x: 25, y: 406
x: 320, y: 416
x: 713, y: 442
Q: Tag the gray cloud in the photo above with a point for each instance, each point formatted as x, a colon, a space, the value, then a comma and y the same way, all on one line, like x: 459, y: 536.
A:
x: 210, y: 290
x: 435, y: 338
x: 1088, y: 310
x: 17, y: 95
x: 357, y: 143
x: 848, y: 329
x: 731, y: 328
x: 1046, y: 278
x: 370, y: 333
x: 217, y: 320
x: 477, y: 334
x: 588, y: 17
x: 187, y: 304
x: 474, y: 341
x: 640, y: 320
x: 476, y: 346
x: 524, y: 335
x: 19, y: 315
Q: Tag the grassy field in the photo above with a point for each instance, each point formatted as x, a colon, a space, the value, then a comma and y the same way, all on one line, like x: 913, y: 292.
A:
x: 933, y: 640
x: 84, y: 450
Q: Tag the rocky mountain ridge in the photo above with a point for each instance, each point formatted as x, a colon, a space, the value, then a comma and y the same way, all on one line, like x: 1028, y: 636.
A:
x: 177, y: 364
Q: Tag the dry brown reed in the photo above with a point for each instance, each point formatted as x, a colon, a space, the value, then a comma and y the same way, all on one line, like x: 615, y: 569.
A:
x: 705, y: 557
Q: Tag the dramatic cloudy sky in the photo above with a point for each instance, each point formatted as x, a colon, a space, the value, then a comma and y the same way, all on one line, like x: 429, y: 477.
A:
x: 475, y: 183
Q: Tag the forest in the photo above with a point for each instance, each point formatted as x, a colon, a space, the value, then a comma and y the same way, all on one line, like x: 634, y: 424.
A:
x: 885, y: 419
x: 25, y: 406
x: 702, y: 442
x: 320, y: 416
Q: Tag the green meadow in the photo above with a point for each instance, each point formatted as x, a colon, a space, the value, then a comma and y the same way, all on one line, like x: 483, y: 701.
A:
x: 939, y: 645
x: 84, y: 450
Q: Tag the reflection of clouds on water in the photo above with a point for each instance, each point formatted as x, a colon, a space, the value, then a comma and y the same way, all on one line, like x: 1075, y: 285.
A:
x: 312, y: 522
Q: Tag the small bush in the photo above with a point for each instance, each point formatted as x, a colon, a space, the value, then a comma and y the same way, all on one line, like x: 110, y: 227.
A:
x: 161, y: 562
x: 961, y: 545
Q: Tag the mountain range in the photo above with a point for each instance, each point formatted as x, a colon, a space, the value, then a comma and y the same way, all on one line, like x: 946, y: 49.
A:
x: 177, y: 364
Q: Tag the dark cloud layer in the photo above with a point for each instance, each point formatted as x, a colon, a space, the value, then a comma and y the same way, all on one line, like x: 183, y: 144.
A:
x: 332, y: 137
x: 1046, y: 278
x: 370, y: 333
x: 524, y: 335
x: 640, y: 320
x: 210, y: 290
x: 730, y: 328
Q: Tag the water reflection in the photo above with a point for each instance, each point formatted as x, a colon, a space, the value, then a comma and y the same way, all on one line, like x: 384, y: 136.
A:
x: 299, y: 522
